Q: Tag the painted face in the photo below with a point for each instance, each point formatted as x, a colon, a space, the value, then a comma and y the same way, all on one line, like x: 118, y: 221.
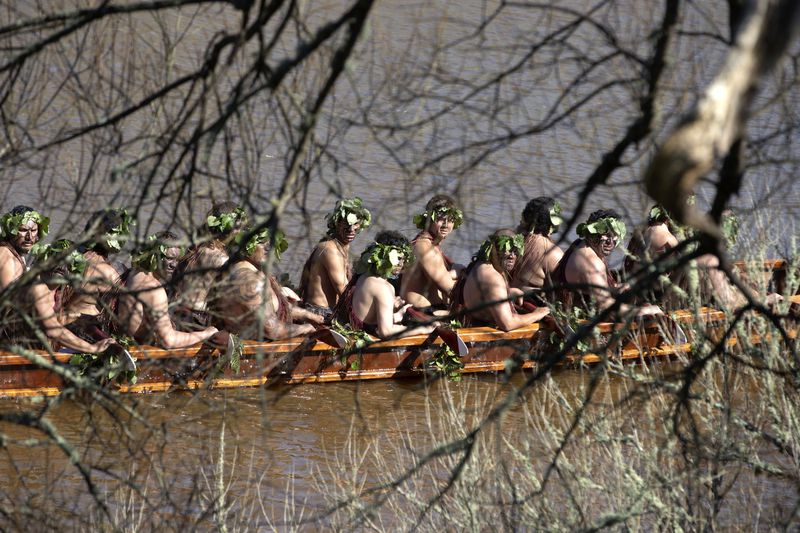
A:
x: 27, y: 235
x: 346, y: 232
x: 441, y: 227
x: 604, y: 244
x: 508, y: 259
x: 170, y: 262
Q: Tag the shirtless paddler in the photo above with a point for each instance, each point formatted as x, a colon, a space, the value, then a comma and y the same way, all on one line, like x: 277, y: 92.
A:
x: 540, y: 219
x: 22, y: 228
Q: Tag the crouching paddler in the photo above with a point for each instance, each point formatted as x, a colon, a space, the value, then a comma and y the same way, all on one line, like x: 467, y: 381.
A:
x: 370, y: 302
x: 427, y: 283
x: 483, y: 294
x: 585, y: 264
x: 61, y: 266
x: 144, y: 304
x: 198, y: 269
x: 534, y: 269
x: 327, y: 270
x: 250, y: 303
x: 90, y: 311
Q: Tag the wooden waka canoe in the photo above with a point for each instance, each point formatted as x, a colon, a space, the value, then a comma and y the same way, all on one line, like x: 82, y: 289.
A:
x: 301, y: 360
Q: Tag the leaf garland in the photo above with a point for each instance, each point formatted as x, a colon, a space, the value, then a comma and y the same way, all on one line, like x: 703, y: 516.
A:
x: 452, y: 213
x: 657, y: 212
x: 263, y: 237
x: 503, y: 244
x: 9, y: 224
x: 601, y: 227
x: 118, y: 236
x: 555, y: 217
x: 75, y: 261
x: 226, y: 222
x: 446, y: 363
x: 352, y: 211
x: 381, y: 259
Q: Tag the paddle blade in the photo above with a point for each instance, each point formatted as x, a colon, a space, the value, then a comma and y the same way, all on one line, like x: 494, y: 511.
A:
x: 330, y: 337
x: 453, y: 340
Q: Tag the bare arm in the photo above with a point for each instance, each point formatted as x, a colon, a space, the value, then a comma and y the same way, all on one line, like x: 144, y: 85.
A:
x: 304, y: 315
x: 432, y: 264
x: 155, y: 303
x: 493, y: 288
x: 387, y: 321
x: 44, y: 304
x: 8, y: 271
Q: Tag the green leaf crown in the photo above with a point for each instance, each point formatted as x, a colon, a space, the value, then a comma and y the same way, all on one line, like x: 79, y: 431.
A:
x: 262, y: 237
x: 381, y: 259
x: 9, y: 224
x: 601, y: 227
x: 151, y: 253
x: 342, y: 209
x: 118, y: 236
x: 503, y: 244
x: 74, y: 261
x: 453, y: 213
x: 226, y: 222
x: 555, y: 217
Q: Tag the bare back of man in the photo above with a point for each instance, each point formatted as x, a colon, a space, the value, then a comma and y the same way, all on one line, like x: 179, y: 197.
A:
x: 538, y: 262
x: 326, y: 273
x: 200, y: 273
x: 248, y: 306
x: 373, y: 304
x: 659, y: 239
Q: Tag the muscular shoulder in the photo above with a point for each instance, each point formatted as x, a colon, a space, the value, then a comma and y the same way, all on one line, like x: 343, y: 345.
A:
x: 246, y: 283
x: 586, y: 263
x: 102, y: 270
x: 139, y: 280
x: 211, y: 257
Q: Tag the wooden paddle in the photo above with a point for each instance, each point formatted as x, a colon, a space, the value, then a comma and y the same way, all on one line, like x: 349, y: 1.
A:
x: 448, y: 335
x: 328, y: 336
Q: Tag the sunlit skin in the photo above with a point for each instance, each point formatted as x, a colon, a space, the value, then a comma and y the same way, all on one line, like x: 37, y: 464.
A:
x: 542, y: 256
x: 144, y: 307
x: 11, y: 265
x: 327, y: 277
x: 429, y: 281
x: 346, y: 233
x: 487, y: 283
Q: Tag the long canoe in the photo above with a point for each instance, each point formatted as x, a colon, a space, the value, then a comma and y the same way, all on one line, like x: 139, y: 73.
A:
x: 300, y: 360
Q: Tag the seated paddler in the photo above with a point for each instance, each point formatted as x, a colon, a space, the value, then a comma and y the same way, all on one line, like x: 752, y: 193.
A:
x: 427, y: 283
x: 89, y: 312
x: 328, y: 270
x: 61, y: 268
x: 540, y: 219
x: 584, y: 267
x: 143, y: 308
x: 248, y: 301
x: 370, y: 302
x: 21, y: 228
x: 483, y: 294
x: 199, y: 267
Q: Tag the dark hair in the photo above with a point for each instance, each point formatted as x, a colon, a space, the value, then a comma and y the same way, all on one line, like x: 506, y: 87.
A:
x: 220, y: 208
x: 536, y: 216
x: 603, y: 213
x: 21, y: 210
x: 439, y: 201
x: 166, y: 237
x: 103, y: 221
x: 392, y: 238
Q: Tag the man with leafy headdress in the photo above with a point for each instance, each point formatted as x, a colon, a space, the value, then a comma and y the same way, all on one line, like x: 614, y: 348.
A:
x: 370, y: 302
x: 144, y: 304
x: 250, y: 303
x: 21, y: 228
x: 653, y: 241
x: 585, y: 263
x: 199, y: 267
x: 36, y: 322
x: 540, y: 219
x: 327, y: 270
x: 715, y: 287
x: 428, y: 282
x: 89, y: 312
x: 483, y: 294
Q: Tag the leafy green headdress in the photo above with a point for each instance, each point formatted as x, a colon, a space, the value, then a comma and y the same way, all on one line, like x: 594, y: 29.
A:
x: 71, y: 258
x: 154, y: 250
x: 117, y: 224
x: 658, y: 213
x: 601, y: 227
x: 503, y: 244
x: 10, y: 222
x: 262, y: 237
x: 381, y: 259
x: 350, y: 210
x: 440, y: 206
x: 224, y: 222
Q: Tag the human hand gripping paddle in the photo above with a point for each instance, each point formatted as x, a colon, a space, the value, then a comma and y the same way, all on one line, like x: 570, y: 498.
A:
x: 548, y: 320
x: 448, y: 335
